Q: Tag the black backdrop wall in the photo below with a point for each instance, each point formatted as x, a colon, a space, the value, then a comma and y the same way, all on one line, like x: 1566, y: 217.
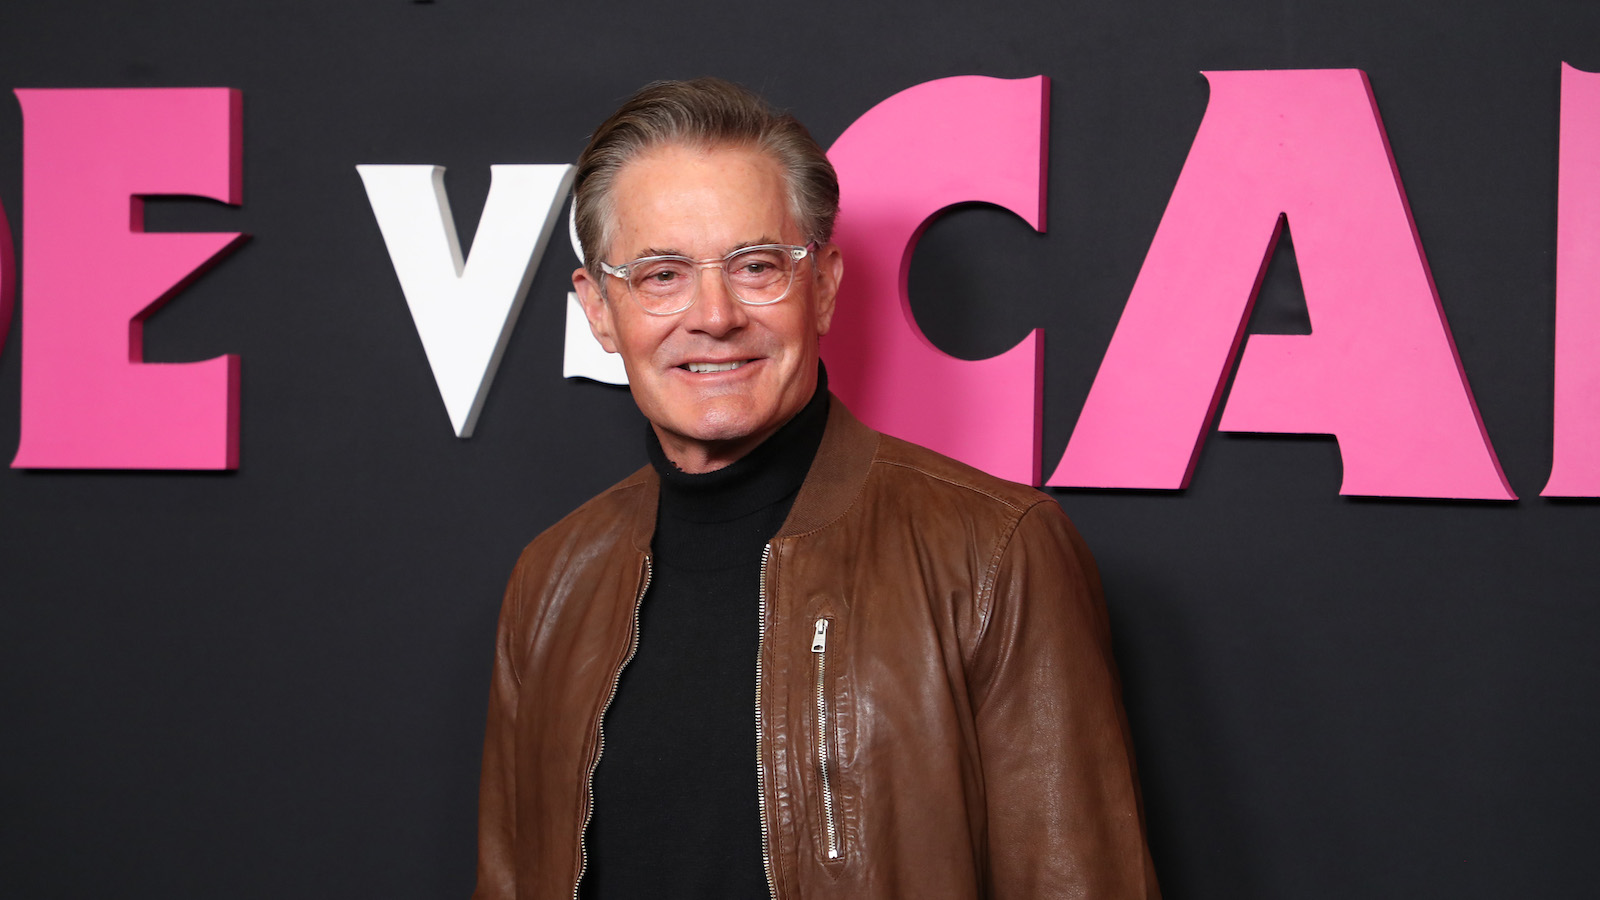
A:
x: 271, y: 683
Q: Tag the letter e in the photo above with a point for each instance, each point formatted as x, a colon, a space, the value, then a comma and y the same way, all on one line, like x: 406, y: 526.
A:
x: 92, y: 275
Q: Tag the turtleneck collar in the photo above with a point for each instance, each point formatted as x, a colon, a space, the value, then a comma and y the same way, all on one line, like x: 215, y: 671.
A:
x: 771, y: 472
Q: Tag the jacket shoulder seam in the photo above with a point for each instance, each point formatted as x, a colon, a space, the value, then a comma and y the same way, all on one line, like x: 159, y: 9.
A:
x: 991, y: 574
x: 615, y: 493
x: 995, y: 496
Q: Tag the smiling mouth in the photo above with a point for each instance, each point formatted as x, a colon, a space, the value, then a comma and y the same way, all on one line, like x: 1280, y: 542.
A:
x: 708, y: 368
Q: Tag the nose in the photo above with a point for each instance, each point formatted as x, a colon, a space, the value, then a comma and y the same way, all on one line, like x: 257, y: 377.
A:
x: 715, y: 312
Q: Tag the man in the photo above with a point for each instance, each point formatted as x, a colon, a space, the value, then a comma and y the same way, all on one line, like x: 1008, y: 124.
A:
x: 792, y: 657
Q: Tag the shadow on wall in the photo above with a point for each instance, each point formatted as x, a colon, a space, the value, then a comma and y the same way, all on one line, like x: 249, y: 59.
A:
x: 1200, y: 833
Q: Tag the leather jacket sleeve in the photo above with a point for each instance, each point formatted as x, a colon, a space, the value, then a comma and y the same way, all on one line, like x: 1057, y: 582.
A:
x: 1064, y: 812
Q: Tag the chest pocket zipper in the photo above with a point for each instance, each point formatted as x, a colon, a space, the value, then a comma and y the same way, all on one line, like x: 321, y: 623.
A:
x: 830, y: 822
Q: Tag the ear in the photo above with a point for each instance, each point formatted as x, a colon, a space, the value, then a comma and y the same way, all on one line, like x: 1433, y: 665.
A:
x: 595, y: 309
x: 830, y: 269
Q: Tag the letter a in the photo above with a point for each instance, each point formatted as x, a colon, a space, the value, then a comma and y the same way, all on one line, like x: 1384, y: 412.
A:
x: 927, y: 148
x: 92, y: 275
x: 465, y: 311
x: 1379, y: 370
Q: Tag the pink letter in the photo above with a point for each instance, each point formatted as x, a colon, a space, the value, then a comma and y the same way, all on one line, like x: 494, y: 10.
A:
x: 1575, y: 456
x: 92, y: 275
x: 8, y: 274
x: 929, y: 147
x: 1379, y: 370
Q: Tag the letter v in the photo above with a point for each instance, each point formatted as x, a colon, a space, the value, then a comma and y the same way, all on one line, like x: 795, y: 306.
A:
x: 464, y: 311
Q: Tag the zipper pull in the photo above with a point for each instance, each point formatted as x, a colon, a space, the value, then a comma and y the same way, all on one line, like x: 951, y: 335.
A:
x: 819, y: 638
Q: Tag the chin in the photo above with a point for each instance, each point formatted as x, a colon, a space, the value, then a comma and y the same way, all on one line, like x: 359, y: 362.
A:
x: 721, y: 430
x: 724, y: 422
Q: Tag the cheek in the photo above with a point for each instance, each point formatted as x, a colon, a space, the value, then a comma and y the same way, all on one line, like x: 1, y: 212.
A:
x: 792, y: 328
x: 638, y: 340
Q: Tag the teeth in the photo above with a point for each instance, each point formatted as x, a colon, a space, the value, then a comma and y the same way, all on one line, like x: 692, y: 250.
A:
x: 708, y: 368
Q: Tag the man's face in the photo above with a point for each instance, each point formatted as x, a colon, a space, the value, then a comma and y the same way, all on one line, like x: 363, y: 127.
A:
x: 704, y: 204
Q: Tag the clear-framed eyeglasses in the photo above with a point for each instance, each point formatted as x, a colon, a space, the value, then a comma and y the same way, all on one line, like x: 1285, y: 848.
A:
x: 755, y: 276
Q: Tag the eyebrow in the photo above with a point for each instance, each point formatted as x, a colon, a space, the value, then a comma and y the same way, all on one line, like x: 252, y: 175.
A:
x: 668, y: 251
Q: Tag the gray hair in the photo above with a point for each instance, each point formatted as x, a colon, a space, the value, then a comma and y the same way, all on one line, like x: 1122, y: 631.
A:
x: 702, y: 113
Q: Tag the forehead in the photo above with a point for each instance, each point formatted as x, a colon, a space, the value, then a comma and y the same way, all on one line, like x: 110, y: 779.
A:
x: 699, y: 202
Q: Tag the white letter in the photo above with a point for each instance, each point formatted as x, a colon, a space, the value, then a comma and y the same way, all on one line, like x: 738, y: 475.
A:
x: 464, y: 311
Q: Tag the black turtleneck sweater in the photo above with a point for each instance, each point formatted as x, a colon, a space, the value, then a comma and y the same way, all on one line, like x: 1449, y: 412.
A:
x: 675, y: 794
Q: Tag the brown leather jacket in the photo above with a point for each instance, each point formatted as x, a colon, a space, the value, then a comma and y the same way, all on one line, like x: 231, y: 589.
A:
x: 937, y: 706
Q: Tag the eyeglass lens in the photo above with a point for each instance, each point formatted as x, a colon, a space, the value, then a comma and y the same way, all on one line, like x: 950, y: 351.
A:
x: 758, y: 275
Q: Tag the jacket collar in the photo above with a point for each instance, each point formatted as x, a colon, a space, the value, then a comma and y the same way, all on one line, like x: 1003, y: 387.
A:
x: 837, y: 475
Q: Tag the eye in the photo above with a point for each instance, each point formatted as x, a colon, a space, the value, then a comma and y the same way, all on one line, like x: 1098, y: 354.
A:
x: 658, y: 276
x: 758, y: 266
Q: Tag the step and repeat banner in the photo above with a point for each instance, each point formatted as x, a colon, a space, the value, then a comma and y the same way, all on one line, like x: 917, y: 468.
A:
x: 1295, y: 308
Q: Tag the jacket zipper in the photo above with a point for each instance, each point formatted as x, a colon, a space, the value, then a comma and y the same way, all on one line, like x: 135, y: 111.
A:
x: 819, y: 646
x: 761, y: 765
x: 600, y: 731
